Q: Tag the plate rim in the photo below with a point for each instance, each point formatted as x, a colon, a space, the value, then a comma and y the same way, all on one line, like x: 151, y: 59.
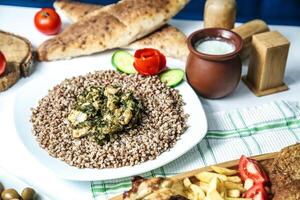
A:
x: 133, y: 170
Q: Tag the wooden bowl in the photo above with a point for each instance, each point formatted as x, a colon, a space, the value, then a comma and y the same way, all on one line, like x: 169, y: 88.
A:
x: 214, y: 76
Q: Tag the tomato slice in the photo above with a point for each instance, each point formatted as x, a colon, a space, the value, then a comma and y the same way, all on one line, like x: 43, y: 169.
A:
x: 249, y: 168
x: 149, y: 61
x: 256, y: 192
x: 163, y: 61
x: 2, y: 63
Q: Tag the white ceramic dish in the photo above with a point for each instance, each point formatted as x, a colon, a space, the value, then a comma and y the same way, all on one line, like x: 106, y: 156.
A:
x: 10, y: 181
x: 34, y: 90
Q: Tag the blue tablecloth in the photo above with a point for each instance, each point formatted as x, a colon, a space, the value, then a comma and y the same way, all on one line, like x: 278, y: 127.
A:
x: 272, y: 11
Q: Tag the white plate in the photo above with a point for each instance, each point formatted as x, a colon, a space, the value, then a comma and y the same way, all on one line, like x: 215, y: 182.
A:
x: 38, y: 87
x: 10, y: 181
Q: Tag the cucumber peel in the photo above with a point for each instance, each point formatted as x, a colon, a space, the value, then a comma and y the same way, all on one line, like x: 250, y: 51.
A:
x: 172, y: 77
x: 123, y: 61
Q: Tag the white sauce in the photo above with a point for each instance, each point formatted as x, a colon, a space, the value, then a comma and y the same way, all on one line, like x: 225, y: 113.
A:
x: 214, y: 46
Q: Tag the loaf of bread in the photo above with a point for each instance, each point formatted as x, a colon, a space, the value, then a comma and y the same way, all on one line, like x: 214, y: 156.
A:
x: 168, y: 39
x: 112, y: 26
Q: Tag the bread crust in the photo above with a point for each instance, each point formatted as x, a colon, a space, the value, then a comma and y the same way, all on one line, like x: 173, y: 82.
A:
x: 286, y: 167
x: 169, y: 40
x: 74, y: 10
x: 112, y: 26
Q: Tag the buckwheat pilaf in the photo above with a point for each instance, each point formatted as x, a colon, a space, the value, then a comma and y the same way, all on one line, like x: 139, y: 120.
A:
x: 163, y: 121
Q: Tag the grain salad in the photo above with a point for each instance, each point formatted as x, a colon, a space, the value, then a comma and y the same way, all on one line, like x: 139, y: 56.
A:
x: 162, y: 123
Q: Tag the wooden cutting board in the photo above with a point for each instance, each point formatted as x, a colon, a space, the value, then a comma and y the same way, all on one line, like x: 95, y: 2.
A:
x: 229, y: 164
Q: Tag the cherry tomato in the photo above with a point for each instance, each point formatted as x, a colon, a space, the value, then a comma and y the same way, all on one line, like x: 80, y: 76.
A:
x: 149, y: 61
x: 47, y: 21
x: 249, y: 168
x: 256, y: 192
x: 2, y: 63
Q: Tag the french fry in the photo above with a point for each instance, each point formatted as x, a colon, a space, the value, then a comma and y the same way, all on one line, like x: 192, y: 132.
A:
x: 235, y: 179
x: 190, y: 195
x: 186, y: 182
x: 213, y: 184
x: 233, y: 193
x: 232, y: 186
x: 224, y: 171
x: 204, y: 186
x: 218, y: 185
x: 197, y: 192
x: 207, y: 176
x: 214, y: 195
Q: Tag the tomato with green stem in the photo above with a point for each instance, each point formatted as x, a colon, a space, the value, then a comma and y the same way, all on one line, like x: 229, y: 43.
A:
x: 47, y: 21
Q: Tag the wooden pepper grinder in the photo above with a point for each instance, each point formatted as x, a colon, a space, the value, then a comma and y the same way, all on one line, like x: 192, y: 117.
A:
x: 267, y: 63
x: 219, y: 13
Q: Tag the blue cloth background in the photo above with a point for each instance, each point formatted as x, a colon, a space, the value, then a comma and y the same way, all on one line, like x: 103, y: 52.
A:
x: 272, y: 11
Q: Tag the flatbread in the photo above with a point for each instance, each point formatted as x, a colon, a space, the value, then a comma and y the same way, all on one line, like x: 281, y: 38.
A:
x: 74, y: 10
x: 169, y: 40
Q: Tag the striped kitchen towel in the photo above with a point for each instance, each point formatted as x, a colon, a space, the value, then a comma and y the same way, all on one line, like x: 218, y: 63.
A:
x: 249, y: 131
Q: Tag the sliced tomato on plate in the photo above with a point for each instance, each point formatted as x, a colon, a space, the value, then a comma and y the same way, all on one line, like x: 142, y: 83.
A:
x: 256, y: 192
x: 149, y: 61
x: 2, y: 63
x: 249, y: 168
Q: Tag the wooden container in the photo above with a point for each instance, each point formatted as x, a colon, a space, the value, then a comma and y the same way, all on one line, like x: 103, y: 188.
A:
x: 262, y: 159
x: 219, y: 14
x: 246, y: 31
x: 267, y: 63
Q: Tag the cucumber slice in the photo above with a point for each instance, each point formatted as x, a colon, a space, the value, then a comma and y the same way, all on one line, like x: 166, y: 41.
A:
x: 123, y: 61
x: 172, y: 77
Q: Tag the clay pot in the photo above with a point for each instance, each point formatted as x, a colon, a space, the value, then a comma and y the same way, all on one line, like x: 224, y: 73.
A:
x: 214, y: 76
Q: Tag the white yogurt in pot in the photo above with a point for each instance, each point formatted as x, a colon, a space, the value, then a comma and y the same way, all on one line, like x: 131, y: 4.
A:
x: 214, y: 46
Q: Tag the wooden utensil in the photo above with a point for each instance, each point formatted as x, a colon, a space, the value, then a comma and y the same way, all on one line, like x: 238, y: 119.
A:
x: 219, y: 14
x: 229, y: 164
x: 246, y: 31
x: 267, y: 63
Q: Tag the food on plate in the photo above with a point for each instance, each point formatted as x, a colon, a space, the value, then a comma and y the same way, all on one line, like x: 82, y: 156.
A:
x: 172, y: 77
x: 161, y: 124
x: 123, y: 61
x: 113, y: 26
x: 149, y: 61
x: 2, y: 63
x: 155, y: 188
x: 290, y: 191
x: 219, y: 184
x: 12, y: 194
x: 245, y: 181
x: 286, y: 167
x: 251, y: 169
x: 75, y: 10
x: 17, y: 49
x: 104, y: 111
x: 169, y: 40
x: 47, y: 21
x: 10, y: 76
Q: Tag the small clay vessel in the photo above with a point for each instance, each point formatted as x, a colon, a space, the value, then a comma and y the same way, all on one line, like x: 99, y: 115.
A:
x: 214, y: 76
